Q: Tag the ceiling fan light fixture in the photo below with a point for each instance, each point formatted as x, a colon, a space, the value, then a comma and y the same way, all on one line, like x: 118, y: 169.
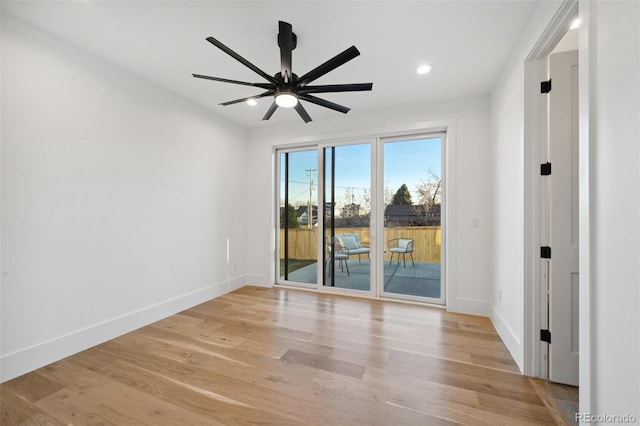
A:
x: 286, y: 100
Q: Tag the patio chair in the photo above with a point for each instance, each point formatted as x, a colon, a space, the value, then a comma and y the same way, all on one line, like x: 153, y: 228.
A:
x: 401, y: 246
x: 339, y: 253
x: 352, y: 243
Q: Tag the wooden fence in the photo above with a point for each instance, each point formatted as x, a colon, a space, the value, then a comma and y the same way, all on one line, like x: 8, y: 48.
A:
x: 303, y: 243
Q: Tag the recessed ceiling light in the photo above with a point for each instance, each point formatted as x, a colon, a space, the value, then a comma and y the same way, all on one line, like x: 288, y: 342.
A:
x: 423, y: 69
x: 252, y: 102
x: 575, y: 24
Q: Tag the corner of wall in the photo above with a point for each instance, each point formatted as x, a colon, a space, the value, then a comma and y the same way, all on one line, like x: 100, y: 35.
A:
x: 259, y: 280
x: 508, y: 336
x: 470, y: 306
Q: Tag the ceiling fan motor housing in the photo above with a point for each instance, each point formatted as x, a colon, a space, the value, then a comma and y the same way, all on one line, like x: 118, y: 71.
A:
x: 293, y: 40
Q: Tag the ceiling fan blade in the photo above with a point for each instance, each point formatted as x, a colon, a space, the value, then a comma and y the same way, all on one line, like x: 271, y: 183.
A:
x: 356, y: 87
x: 324, y: 103
x: 237, y: 101
x: 287, y: 42
x: 226, y: 80
x: 240, y: 59
x: 303, y: 112
x: 328, y: 66
x: 270, y: 111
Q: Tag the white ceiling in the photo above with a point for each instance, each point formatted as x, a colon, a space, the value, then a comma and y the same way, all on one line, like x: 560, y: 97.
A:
x: 466, y: 42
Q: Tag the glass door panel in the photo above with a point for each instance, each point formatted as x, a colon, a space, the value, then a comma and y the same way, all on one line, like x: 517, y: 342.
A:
x: 413, y: 206
x: 298, y: 229
x: 346, y: 216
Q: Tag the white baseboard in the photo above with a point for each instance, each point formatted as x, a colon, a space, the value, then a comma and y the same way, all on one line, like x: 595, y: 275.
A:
x: 259, y: 280
x: 472, y: 307
x: 28, y: 359
x: 510, y: 339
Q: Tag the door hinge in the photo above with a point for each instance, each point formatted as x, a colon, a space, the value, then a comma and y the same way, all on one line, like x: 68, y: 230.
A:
x: 545, y: 252
x: 545, y: 336
x: 545, y: 86
x: 545, y: 169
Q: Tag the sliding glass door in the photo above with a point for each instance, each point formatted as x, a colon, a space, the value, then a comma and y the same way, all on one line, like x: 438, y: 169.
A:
x: 413, y: 212
x: 298, y: 217
x: 347, y: 216
x: 364, y: 217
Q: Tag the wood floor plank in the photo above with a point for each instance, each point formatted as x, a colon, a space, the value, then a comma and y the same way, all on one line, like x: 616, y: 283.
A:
x: 228, y: 399
x: 73, y: 408
x: 516, y: 409
x: 15, y: 410
x: 33, y: 387
x: 274, y: 356
x: 466, y: 376
x: 197, y: 391
x: 145, y: 408
x: 345, y: 368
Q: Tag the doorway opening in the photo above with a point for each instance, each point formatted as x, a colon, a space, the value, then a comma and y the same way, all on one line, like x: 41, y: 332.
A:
x: 551, y: 206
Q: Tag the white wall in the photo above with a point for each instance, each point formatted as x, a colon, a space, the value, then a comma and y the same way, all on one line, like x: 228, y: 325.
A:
x: 610, y: 51
x: 470, y: 118
x: 508, y: 166
x: 118, y: 200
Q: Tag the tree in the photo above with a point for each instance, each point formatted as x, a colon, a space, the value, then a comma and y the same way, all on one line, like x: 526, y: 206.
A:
x: 429, y: 191
x: 366, y: 203
x: 292, y: 217
x: 402, y: 196
x: 350, y: 210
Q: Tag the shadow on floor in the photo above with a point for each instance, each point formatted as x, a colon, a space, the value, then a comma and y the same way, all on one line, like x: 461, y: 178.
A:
x: 567, y: 399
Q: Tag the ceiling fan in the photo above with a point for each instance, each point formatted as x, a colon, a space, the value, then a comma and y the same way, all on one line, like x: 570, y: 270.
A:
x: 286, y: 87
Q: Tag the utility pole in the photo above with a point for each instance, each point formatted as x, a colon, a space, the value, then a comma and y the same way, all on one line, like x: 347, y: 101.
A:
x: 310, y: 205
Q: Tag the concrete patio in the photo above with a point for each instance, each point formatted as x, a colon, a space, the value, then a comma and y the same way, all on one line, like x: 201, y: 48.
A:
x: 419, y: 279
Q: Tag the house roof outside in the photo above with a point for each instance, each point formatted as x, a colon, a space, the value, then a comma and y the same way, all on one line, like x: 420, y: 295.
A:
x: 303, y: 215
x: 412, y: 215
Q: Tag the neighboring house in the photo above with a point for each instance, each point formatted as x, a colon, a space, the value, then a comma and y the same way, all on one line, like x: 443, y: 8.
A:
x: 303, y: 215
x: 411, y: 215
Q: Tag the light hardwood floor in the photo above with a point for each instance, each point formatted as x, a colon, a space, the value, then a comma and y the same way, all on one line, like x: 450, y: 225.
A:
x: 261, y: 356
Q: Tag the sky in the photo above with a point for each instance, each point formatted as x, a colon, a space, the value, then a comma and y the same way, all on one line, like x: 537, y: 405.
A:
x: 411, y: 162
x: 408, y: 161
